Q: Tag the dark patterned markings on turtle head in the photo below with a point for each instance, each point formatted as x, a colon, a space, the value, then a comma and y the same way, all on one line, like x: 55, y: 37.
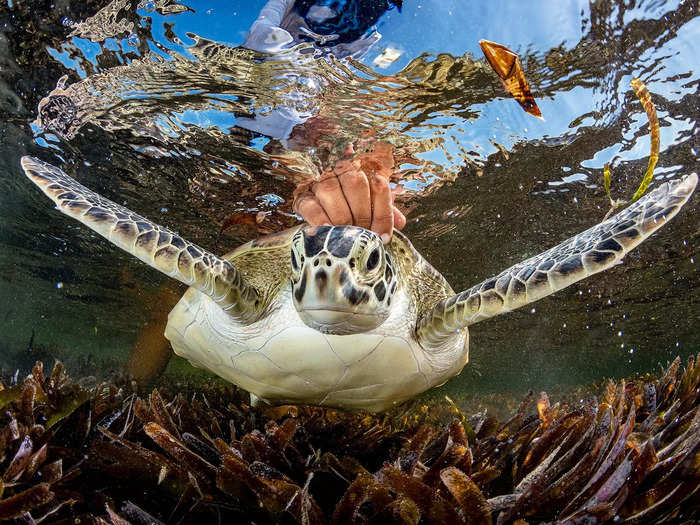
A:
x: 301, y: 288
x: 354, y: 295
x: 315, y: 240
x: 340, y: 244
x: 321, y: 280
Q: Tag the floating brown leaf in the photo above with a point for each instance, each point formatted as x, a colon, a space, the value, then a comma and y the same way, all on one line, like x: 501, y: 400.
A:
x: 507, y: 66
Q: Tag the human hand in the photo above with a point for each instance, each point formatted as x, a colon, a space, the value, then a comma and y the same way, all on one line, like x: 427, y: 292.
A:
x: 354, y: 191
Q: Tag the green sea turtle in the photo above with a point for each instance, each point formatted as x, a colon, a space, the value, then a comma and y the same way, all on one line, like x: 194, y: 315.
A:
x: 329, y: 315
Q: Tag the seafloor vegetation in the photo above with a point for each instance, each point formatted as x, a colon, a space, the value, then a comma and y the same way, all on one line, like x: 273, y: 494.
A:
x: 70, y: 453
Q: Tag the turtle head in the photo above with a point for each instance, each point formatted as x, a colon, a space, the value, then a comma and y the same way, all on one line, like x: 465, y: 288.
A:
x: 343, y: 279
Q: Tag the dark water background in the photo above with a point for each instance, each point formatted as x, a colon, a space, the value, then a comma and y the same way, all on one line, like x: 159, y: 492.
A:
x: 150, y: 100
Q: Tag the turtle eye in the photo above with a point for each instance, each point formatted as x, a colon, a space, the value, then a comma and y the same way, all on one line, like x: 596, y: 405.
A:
x: 373, y: 260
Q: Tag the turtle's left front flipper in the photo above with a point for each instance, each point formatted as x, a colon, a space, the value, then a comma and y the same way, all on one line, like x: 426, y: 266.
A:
x: 592, y: 251
x: 153, y: 244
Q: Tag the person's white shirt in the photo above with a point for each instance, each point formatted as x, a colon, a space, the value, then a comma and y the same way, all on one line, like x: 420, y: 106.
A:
x: 279, y: 27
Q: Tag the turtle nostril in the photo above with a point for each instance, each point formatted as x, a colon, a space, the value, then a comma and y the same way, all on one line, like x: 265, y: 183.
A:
x: 328, y: 262
x: 316, y: 262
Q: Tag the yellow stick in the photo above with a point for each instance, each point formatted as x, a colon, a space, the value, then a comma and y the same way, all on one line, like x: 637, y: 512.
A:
x: 606, y: 182
x: 645, y: 98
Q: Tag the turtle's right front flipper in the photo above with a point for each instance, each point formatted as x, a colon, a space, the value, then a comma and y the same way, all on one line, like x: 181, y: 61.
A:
x: 153, y: 244
x: 587, y: 253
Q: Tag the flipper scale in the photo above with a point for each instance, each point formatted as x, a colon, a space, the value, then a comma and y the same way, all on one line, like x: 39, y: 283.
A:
x: 151, y: 243
x: 587, y: 253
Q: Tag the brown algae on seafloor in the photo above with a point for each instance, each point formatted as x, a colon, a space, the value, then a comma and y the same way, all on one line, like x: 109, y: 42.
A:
x: 111, y: 456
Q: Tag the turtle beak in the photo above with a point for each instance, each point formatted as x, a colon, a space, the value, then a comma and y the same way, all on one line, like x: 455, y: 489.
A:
x: 329, y: 285
x: 328, y: 299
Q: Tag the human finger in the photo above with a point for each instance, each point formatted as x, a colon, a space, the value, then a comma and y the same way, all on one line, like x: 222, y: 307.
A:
x: 382, y: 208
x: 355, y: 187
x: 399, y: 219
x: 311, y: 210
x: 330, y: 195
